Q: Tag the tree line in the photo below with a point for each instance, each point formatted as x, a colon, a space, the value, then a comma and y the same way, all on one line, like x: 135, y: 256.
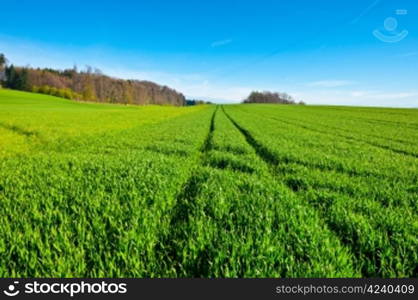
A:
x: 191, y: 102
x: 271, y: 97
x: 87, y: 85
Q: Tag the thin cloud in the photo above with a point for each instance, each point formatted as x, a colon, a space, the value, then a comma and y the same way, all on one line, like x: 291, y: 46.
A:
x: 220, y: 43
x: 330, y: 83
x: 364, y: 12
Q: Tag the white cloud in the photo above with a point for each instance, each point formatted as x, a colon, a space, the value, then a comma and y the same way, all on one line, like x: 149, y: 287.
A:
x: 330, y: 83
x: 364, y: 12
x: 221, y: 43
x: 359, y: 93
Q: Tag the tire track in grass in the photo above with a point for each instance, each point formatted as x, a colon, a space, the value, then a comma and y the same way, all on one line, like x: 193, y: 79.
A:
x: 371, y: 135
x: 266, y: 155
x: 19, y: 130
x: 395, y: 139
x: 391, y: 123
x: 262, y: 151
x: 381, y: 122
x: 335, y: 167
x: 201, y: 240
x: 294, y: 123
x: 170, y: 248
x: 382, y: 255
x: 352, y: 174
x: 347, y: 137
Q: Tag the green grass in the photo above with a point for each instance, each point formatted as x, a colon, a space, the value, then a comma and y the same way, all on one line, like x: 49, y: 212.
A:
x: 91, y: 190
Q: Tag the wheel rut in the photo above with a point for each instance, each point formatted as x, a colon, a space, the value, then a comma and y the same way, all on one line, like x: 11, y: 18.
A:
x: 269, y: 158
x: 170, y: 244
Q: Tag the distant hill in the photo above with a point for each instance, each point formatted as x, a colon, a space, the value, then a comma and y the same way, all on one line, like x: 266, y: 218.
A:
x: 88, y: 85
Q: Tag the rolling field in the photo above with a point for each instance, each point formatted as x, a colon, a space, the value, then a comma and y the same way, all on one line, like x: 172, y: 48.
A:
x: 95, y: 190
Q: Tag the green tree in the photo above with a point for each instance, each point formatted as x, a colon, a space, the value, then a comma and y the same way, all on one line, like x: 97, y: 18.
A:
x: 17, y: 78
x: 53, y: 91
x: 44, y: 89
x: 2, y: 60
x: 11, y: 77
x: 89, y: 93
x: 127, y: 93
x: 2, y: 66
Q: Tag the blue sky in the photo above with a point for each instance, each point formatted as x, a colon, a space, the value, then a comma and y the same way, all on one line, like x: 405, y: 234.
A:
x: 322, y: 52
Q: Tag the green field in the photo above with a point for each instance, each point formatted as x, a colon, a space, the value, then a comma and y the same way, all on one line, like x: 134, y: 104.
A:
x: 95, y: 190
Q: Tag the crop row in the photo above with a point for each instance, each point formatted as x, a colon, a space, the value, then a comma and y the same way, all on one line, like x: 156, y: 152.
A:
x: 234, y: 219
x: 97, y: 208
x: 381, y: 233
